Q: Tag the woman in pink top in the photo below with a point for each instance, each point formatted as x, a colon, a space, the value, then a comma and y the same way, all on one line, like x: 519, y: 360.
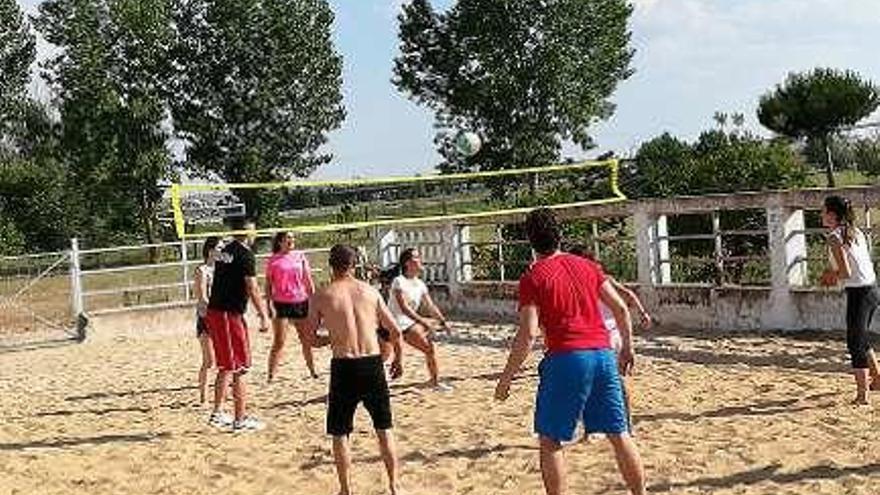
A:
x: 288, y: 288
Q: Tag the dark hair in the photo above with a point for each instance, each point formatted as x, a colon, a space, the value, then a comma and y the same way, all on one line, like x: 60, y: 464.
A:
x: 582, y: 251
x: 405, y: 257
x: 388, y: 274
x: 842, y: 209
x: 238, y: 222
x: 543, y: 231
x: 209, y: 245
x: 342, y: 258
x: 279, y: 238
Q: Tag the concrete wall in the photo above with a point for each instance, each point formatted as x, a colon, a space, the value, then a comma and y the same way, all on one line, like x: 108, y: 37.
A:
x: 685, y: 307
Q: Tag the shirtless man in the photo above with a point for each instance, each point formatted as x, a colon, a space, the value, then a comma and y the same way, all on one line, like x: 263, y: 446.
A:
x: 351, y: 311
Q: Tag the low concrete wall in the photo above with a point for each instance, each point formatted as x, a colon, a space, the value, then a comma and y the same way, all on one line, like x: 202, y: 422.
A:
x: 682, y: 306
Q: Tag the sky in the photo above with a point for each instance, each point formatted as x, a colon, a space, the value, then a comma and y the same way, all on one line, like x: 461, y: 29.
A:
x: 693, y: 58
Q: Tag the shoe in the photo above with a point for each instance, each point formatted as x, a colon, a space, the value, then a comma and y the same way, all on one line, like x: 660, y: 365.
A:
x: 443, y: 387
x: 220, y: 420
x: 248, y: 423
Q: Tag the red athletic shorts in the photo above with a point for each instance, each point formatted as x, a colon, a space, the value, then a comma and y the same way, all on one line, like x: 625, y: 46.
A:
x: 229, y: 336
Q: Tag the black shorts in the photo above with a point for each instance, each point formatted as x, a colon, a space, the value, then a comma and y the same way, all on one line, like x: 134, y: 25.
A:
x: 384, y: 334
x: 201, y: 326
x: 861, y: 303
x: 352, y: 381
x: 293, y: 311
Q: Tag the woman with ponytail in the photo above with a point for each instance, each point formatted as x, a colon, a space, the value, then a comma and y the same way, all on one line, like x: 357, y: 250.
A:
x: 850, y: 264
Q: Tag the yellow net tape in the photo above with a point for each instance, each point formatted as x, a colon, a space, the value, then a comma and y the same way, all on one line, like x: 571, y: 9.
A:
x: 180, y: 225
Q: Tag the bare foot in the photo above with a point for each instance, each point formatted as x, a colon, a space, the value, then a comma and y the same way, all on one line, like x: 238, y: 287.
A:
x: 860, y: 401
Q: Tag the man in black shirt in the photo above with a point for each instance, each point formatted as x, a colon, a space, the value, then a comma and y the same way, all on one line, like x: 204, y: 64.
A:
x: 234, y: 282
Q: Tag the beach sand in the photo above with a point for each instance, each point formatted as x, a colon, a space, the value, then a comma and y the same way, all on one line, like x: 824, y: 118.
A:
x: 714, y: 413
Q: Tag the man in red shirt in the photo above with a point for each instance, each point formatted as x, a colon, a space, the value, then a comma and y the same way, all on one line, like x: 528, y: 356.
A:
x: 579, y: 379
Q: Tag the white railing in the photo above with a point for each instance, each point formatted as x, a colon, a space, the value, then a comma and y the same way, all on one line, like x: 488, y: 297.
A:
x: 100, y: 287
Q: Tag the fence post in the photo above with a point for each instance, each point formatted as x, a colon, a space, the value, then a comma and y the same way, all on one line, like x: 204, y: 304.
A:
x: 76, y: 296
x: 499, y: 234
x: 450, y: 247
x: 184, y: 260
x: 719, y: 248
x: 594, y: 230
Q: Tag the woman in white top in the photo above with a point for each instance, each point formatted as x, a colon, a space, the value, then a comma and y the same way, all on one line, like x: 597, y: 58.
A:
x: 850, y: 264
x: 204, y: 277
x: 408, y: 294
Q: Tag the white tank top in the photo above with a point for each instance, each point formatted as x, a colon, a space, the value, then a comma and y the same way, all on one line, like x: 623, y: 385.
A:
x: 859, y: 258
x: 611, y: 325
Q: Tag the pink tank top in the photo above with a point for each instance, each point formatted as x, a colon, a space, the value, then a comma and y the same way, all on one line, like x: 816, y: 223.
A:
x: 287, y: 274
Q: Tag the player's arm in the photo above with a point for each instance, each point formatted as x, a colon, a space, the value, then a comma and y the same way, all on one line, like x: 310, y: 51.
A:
x: 397, y: 293
x: 529, y: 330
x: 632, y: 301
x: 434, y: 309
x: 252, y: 287
x: 199, y: 286
x: 307, y: 277
x: 312, y: 323
x: 609, y: 296
x: 201, y: 292
x: 389, y: 323
x: 843, y: 271
x: 253, y: 291
x: 267, y: 286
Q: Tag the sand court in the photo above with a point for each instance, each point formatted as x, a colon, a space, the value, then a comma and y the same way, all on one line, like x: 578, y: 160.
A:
x: 715, y: 413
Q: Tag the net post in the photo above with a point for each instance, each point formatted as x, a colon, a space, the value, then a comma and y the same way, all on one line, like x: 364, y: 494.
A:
x: 76, y: 295
x: 179, y: 221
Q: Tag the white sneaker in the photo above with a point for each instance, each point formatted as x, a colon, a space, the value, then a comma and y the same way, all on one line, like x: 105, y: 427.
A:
x: 220, y: 420
x: 443, y: 387
x: 248, y: 423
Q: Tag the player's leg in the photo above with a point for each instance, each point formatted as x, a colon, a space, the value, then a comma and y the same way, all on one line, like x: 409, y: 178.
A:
x: 417, y: 336
x: 279, y: 339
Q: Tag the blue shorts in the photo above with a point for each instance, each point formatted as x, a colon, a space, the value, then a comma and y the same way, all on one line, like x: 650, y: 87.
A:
x: 580, y: 385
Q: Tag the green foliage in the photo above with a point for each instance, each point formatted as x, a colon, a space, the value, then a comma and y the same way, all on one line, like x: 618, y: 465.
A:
x: 815, y: 104
x: 717, y: 162
x: 524, y: 74
x: 866, y: 154
x: 11, y: 240
x: 258, y: 89
x: 856, y: 153
x: 109, y: 82
x: 17, y: 52
x: 34, y: 197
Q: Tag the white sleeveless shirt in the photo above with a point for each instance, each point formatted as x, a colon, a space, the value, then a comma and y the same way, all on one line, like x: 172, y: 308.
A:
x: 859, y: 258
x: 611, y: 325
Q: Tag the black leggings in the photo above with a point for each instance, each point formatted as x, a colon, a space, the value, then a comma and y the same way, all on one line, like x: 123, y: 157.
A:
x: 861, y: 302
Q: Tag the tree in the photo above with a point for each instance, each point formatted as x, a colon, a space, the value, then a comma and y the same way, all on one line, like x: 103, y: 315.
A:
x: 717, y: 162
x: 109, y: 80
x: 523, y: 74
x: 17, y: 53
x: 35, y: 198
x: 258, y: 90
x: 816, y: 104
